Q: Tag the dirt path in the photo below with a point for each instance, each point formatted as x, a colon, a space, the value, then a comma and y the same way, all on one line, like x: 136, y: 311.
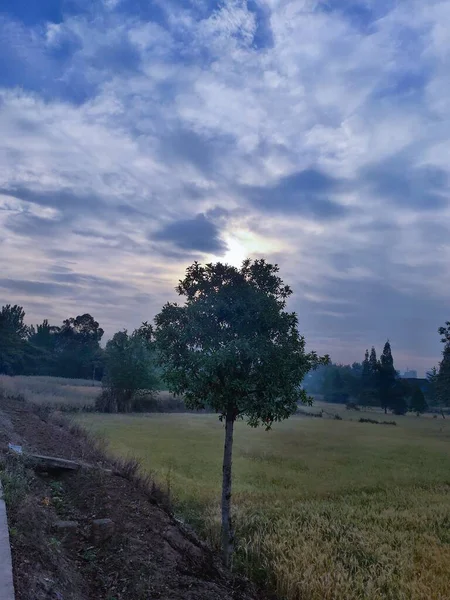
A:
x: 58, y: 553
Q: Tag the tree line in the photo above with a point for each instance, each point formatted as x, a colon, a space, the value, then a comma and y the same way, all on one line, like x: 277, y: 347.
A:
x: 375, y: 382
x: 127, y: 365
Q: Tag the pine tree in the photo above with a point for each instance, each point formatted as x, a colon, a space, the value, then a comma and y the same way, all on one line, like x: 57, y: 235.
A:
x: 431, y: 391
x: 364, y: 394
x: 374, y: 373
x: 389, y: 395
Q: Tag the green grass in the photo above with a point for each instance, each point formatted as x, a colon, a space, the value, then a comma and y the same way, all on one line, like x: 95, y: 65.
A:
x: 323, y: 509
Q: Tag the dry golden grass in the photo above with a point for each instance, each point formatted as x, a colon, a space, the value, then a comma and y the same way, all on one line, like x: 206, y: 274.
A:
x: 77, y: 393
x: 324, y: 509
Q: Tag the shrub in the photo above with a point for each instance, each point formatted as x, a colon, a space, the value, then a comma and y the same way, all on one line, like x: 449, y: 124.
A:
x: 375, y: 422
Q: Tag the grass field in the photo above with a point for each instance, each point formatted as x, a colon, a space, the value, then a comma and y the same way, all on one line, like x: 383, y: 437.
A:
x: 57, y: 391
x: 323, y: 509
x: 71, y: 394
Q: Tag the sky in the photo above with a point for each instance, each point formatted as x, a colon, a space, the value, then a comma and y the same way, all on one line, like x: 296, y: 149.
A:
x: 137, y: 136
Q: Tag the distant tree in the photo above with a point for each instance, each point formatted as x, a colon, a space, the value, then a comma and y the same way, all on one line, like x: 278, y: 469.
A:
x: 389, y: 395
x: 443, y: 378
x: 130, y: 371
x: 399, y: 393
x: 234, y: 348
x: 13, y: 340
x: 78, y: 351
x: 366, y: 381
x: 432, y: 384
x: 338, y: 384
x: 43, y: 340
x: 369, y: 392
x: 373, y: 362
x: 418, y: 402
x: 357, y: 369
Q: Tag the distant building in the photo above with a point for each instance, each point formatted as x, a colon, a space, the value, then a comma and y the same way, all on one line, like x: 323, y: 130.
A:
x: 410, y: 374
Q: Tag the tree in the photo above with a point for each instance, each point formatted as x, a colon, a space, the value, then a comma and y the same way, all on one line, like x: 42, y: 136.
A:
x: 78, y: 351
x: 387, y: 377
x: 43, y: 340
x: 130, y: 369
x: 13, y: 339
x: 369, y: 379
x: 431, y: 391
x: 337, y: 384
x: 443, y: 378
x: 234, y: 348
x: 365, y: 380
x: 418, y: 402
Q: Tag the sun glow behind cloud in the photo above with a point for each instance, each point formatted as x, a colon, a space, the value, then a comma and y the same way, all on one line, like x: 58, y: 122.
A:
x: 242, y: 244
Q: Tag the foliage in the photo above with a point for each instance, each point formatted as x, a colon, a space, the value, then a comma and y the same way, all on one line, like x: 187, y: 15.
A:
x: 337, y: 383
x: 71, y: 351
x: 375, y: 422
x: 418, y: 403
x: 232, y: 346
x: 443, y: 378
x: 13, y: 339
x: 431, y: 391
x: 78, y: 352
x: 129, y: 370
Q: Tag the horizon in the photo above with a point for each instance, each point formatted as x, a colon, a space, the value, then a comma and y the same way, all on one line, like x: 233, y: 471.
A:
x: 138, y: 137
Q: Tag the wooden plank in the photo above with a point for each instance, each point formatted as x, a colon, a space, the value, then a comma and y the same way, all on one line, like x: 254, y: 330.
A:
x: 52, y: 463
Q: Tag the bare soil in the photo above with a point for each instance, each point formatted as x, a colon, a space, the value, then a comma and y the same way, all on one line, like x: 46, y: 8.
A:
x: 149, y: 555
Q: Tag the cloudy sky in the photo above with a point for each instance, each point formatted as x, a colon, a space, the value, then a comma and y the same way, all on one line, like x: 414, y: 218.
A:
x: 140, y: 135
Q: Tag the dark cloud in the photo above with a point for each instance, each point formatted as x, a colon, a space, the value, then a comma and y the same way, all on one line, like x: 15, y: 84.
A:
x: 305, y: 193
x: 198, y: 233
x: 39, y: 288
x: 396, y: 180
x: 186, y: 145
x: 31, y: 225
x: 64, y: 198
x: 86, y: 280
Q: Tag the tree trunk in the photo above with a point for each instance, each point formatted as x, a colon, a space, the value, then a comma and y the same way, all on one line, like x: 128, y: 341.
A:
x: 227, y: 532
x: 385, y: 410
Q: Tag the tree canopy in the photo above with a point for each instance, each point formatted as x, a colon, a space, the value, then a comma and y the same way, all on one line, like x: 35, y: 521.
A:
x: 234, y: 348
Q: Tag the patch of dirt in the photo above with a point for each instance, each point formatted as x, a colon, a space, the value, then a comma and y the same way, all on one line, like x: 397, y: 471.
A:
x: 146, y: 554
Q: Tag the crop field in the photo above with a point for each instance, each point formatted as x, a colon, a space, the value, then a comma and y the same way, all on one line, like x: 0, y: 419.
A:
x: 323, y: 508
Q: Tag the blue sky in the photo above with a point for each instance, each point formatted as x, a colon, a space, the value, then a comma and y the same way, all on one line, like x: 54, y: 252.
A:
x: 138, y: 136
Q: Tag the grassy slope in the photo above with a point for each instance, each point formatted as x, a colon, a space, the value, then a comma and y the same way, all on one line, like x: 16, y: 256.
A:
x: 324, y: 509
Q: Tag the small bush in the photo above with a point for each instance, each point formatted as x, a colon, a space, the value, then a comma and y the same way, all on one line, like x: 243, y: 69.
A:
x: 306, y: 413
x: 337, y: 417
x: 375, y: 422
x: 352, y: 406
